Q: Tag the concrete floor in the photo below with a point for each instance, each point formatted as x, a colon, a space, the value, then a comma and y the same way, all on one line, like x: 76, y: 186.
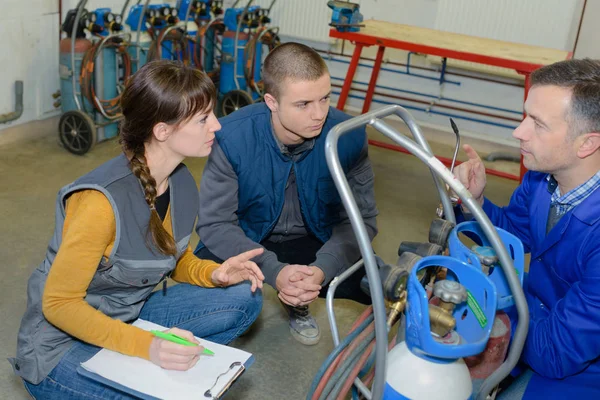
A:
x: 34, y: 170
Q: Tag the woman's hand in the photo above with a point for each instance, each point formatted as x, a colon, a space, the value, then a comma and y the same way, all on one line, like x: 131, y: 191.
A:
x: 178, y: 357
x: 238, y: 269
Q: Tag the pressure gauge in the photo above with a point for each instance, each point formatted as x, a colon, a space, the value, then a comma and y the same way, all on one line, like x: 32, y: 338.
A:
x: 93, y: 18
x: 174, y: 12
x: 109, y: 17
x: 118, y: 19
x: 151, y: 13
x: 166, y: 11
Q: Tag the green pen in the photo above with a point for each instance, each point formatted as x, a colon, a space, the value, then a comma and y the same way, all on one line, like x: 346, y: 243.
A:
x: 171, y: 337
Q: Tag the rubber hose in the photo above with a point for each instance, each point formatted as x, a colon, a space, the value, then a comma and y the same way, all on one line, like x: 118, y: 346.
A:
x: 367, y: 367
x: 338, y: 379
x: 349, y: 354
x: 332, y: 356
x: 354, y: 372
x: 323, y: 381
x: 111, y: 107
x: 340, y: 359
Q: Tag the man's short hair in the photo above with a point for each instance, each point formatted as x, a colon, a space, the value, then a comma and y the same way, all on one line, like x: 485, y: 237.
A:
x: 294, y: 62
x: 583, y: 78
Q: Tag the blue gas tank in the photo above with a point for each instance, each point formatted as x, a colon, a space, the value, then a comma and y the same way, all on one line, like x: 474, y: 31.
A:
x: 226, y: 80
x: 66, y: 80
x: 427, y: 366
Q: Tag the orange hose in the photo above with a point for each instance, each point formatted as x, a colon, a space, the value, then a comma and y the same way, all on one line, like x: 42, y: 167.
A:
x: 88, y: 64
x: 268, y: 39
x: 200, y: 41
x: 354, y: 373
x: 365, y: 314
x: 341, y: 358
x: 176, y: 37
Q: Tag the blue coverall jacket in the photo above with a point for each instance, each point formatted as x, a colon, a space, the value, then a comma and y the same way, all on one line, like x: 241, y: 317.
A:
x: 562, y: 290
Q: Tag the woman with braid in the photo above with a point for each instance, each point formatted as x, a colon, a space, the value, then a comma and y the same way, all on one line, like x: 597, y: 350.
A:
x: 120, y: 231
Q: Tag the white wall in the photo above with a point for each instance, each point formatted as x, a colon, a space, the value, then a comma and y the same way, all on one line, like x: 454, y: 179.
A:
x: 588, y: 44
x: 28, y: 52
x: 29, y: 44
x: 546, y: 23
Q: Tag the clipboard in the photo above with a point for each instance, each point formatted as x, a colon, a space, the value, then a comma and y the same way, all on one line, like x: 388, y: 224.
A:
x: 142, y: 379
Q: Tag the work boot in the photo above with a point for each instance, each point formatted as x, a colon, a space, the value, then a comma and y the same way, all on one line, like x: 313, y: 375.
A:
x: 303, y: 326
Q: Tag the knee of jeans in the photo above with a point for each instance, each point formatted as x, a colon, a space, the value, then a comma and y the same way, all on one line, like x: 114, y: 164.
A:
x: 252, y: 302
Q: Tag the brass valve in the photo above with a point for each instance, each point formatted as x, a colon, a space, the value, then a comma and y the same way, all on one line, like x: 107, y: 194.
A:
x: 441, y: 321
x: 396, y: 308
x: 451, y: 294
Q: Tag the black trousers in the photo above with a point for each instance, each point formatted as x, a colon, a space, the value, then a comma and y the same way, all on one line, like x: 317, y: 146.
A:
x: 303, y: 251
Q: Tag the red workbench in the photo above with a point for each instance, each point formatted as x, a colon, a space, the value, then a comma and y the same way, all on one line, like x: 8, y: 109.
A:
x: 520, y: 57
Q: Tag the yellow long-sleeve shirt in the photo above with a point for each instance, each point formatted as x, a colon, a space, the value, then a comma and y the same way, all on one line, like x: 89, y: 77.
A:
x: 88, y: 235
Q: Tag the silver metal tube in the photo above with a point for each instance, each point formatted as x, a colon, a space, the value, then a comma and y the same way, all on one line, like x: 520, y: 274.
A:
x: 366, y: 250
x: 363, y: 389
x: 505, y: 261
x: 100, y: 47
x: 235, y: 43
x: 331, y: 316
x: 441, y: 173
x: 187, y: 15
x: 80, y: 7
x: 258, y: 39
x: 139, y: 33
x: 394, y: 109
x: 420, y: 139
x: 124, y: 9
x: 331, y: 294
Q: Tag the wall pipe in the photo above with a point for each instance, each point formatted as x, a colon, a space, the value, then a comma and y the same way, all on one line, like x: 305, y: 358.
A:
x: 432, y: 96
x: 330, y: 53
x: 431, y: 104
x: 520, y: 112
x: 441, y: 98
x: 4, y: 118
x: 445, y: 114
x: 400, y: 72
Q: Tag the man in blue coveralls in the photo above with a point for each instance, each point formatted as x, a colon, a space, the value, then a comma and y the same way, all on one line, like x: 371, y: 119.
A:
x: 555, y: 212
x: 267, y: 184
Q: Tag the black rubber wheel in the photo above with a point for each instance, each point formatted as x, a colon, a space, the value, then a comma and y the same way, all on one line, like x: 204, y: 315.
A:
x: 77, y: 132
x: 234, y: 100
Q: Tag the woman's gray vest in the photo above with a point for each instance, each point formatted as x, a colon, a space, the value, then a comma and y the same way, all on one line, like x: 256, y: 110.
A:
x: 122, y: 282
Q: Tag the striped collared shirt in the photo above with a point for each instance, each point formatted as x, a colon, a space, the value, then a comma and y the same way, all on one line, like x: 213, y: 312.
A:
x: 570, y: 200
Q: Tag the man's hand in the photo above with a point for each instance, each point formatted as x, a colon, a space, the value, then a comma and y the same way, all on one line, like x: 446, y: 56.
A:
x: 238, y: 269
x: 299, y: 285
x: 471, y: 174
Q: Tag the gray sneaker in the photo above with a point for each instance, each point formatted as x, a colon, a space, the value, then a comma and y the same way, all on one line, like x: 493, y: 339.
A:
x: 303, y: 326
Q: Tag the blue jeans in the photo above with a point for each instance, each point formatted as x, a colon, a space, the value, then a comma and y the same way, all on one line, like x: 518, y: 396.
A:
x: 219, y: 315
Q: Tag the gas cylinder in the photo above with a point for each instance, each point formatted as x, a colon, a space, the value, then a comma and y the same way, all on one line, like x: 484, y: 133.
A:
x: 424, y: 379
x: 139, y: 55
x: 482, y: 365
x: 66, y: 70
x: 226, y: 80
x: 429, y: 364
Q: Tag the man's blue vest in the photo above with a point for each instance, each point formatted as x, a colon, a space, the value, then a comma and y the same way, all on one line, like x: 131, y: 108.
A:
x: 246, y: 138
